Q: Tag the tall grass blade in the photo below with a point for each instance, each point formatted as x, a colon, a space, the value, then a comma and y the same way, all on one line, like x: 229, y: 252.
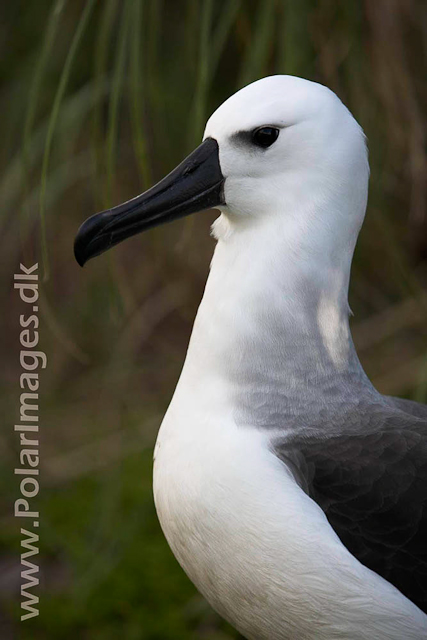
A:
x: 226, y: 21
x: 40, y: 69
x: 116, y: 90
x: 103, y: 46
x: 81, y: 27
x: 294, y: 49
x: 136, y: 97
x: 202, y: 83
x: 259, y: 47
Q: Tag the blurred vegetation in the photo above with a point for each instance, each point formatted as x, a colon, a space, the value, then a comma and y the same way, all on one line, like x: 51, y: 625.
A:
x: 99, y: 99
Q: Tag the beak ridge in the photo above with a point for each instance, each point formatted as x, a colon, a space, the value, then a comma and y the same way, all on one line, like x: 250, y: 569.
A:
x: 195, y: 184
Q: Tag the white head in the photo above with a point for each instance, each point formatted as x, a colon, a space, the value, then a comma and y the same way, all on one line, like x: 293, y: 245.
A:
x: 310, y: 183
x: 291, y: 213
x: 312, y: 179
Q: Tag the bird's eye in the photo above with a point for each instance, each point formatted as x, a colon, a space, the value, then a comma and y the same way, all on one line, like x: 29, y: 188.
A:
x: 265, y: 136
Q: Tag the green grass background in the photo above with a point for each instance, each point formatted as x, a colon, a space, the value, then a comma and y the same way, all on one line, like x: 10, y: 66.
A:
x: 100, y: 99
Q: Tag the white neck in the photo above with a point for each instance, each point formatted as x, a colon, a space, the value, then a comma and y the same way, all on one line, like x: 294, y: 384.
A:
x: 274, y: 315
x: 271, y: 349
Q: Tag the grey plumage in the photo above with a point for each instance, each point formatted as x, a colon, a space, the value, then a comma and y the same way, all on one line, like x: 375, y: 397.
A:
x: 370, y: 479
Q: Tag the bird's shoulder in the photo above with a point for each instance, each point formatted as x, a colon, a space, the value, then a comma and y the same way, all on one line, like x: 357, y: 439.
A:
x: 410, y: 407
x: 369, y: 475
x: 384, y: 434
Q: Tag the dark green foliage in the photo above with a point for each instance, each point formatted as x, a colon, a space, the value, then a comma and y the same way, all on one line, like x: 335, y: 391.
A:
x: 99, y: 99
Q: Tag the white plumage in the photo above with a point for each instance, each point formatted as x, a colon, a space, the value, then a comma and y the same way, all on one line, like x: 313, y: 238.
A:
x: 292, y: 493
x: 254, y: 543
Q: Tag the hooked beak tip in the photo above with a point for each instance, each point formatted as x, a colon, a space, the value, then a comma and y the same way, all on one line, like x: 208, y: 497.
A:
x: 79, y: 255
x: 89, y: 237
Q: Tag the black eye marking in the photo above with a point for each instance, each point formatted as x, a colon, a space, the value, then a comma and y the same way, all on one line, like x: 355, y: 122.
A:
x: 265, y: 136
x: 261, y: 137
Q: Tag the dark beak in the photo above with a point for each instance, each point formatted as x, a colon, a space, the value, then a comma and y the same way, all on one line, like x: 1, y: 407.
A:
x: 196, y: 184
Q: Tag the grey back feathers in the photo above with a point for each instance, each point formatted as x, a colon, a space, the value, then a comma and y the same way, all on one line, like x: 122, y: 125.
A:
x: 370, y: 479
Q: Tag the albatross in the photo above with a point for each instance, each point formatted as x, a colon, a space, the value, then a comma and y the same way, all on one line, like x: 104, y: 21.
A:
x: 292, y: 492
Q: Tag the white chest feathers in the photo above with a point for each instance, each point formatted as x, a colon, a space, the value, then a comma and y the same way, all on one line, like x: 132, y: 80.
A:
x: 257, y: 547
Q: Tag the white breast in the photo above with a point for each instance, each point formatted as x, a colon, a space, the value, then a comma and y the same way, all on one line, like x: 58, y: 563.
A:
x: 256, y: 546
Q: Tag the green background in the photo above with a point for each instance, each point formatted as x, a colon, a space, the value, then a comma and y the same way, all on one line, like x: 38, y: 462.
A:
x: 99, y: 100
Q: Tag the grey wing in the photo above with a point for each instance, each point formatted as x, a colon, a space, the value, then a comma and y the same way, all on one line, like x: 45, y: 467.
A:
x: 372, y: 486
x: 408, y: 406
